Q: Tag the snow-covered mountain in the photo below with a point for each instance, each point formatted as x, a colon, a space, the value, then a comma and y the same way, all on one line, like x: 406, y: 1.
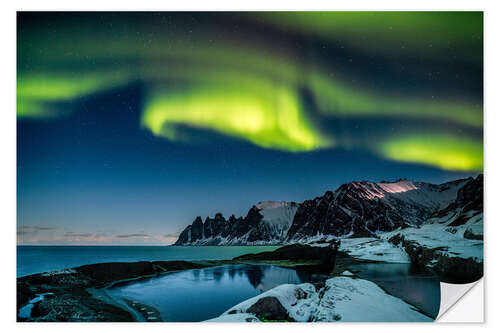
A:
x: 356, y: 209
x: 266, y: 223
x: 277, y: 217
x: 365, y: 209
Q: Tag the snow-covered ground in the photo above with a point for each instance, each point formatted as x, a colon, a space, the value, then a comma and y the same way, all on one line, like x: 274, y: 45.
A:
x: 342, y: 298
x: 374, y: 249
x: 435, y: 233
x: 450, y: 239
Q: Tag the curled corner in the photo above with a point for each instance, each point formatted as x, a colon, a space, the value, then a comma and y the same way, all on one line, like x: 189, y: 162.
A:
x: 456, y: 295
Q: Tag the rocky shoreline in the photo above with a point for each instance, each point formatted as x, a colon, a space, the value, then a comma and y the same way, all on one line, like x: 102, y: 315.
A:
x: 76, y: 294
x: 79, y: 294
x: 69, y: 294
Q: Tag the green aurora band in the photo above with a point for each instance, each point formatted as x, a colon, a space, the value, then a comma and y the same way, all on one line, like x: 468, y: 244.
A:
x: 253, y: 93
x: 272, y: 121
x: 447, y: 152
x: 36, y: 92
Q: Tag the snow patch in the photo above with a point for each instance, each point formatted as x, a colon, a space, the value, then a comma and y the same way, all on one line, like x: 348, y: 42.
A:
x: 374, y: 249
x: 341, y: 299
x: 451, y: 239
x: 397, y: 187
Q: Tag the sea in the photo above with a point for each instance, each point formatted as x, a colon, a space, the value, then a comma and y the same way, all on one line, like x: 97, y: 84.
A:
x: 38, y: 259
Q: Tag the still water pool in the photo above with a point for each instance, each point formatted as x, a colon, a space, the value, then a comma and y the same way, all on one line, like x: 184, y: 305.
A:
x: 411, y: 284
x: 201, y: 294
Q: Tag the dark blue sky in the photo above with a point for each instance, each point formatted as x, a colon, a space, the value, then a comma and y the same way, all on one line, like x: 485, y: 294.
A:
x: 95, y: 175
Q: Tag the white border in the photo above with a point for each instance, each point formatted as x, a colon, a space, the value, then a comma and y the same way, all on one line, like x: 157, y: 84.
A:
x: 456, y: 301
x: 8, y: 139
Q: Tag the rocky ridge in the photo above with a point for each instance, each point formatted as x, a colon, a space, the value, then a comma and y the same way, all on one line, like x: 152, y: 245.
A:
x: 265, y: 224
x: 356, y: 209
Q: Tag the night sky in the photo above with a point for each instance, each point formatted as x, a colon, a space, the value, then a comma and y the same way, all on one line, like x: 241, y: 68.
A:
x: 129, y: 125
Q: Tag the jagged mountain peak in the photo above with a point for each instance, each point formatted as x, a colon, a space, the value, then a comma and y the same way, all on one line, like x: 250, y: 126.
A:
x: 265, y: 223
x: 355, y: 209
x: 364, y: 208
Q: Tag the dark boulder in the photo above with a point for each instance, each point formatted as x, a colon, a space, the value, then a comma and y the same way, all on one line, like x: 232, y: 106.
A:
x: 269, y: 308
x: 470, y: 235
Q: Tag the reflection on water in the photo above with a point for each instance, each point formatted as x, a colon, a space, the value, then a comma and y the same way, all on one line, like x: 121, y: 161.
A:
x: 413, y: 285
x: 201, y: 294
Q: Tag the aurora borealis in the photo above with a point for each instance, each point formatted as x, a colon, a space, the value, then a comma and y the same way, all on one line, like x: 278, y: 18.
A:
x: 186, y: 103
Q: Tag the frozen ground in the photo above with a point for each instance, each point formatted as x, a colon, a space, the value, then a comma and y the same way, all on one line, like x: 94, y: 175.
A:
x: 434, y: 234
x: 374, y: 249
x: 450, y: 240
x: 342, y: 298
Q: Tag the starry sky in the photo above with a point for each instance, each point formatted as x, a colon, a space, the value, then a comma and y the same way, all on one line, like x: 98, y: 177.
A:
x: 129, y: 125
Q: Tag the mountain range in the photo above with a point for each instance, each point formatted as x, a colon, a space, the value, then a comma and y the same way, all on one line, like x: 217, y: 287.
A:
x: 356, y: 209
